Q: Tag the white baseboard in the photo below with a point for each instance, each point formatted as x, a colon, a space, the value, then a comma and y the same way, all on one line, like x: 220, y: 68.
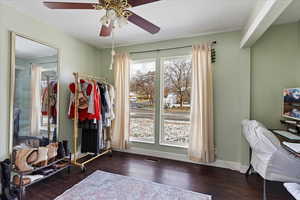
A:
x: 181, y: 157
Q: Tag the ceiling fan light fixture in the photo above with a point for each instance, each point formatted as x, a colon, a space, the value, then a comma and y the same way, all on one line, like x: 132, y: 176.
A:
x: 105, y: 20
x: 122, y: 21
x: 117, y: 13
x: 111, y: 14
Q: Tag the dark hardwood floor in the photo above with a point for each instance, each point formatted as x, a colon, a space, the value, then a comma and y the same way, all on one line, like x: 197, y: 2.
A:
x: 222, y: 184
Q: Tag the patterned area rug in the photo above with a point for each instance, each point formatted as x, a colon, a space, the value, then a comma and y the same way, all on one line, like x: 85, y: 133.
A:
x: 106, y: 186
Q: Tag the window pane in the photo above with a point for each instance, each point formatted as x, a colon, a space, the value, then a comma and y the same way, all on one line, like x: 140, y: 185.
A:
x: 176, y: 102
x: 141, y: 99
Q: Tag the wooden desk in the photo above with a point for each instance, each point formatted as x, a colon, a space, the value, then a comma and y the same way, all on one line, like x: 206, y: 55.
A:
x: 285, y: 139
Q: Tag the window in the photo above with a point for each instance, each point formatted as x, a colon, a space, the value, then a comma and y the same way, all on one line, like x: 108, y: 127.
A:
x: 160, y: 92
x: 142, y: 101
x: 176, y: 101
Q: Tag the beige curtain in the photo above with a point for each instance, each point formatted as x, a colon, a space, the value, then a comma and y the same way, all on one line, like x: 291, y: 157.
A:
x: 35, y: 99
x: 201, y: 145
x: 120, y: 132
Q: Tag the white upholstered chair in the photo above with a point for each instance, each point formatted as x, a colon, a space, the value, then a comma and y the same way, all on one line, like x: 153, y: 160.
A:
x: 269, y: 159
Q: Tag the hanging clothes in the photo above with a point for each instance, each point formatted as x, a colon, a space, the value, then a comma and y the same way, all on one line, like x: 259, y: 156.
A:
x: 49, y: 95
x: 85, y: 91
x: 108, y: 113
x: 94, y: 113
x: 91, y: 106
x: 111, y: 91
x: 45, y: 101
x: 104, y: 105
x: 96, y: 99
x: 89, y: 137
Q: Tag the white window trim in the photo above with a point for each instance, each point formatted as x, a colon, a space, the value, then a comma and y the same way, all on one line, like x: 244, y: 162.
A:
x: 158, y: 128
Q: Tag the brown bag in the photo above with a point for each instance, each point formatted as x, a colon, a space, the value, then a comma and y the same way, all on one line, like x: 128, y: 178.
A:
x: 83, y: 101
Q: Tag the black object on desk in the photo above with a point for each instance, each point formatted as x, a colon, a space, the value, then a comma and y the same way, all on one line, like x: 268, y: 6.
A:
x: 292, y: 125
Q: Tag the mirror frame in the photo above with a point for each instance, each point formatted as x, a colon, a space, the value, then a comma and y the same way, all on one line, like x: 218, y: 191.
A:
x: 13, y: 36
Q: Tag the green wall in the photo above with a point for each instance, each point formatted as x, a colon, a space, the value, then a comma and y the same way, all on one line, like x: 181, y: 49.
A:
x: 298, y: 72
x: 231, y: 87
x: 274, y: 66
x: 75, y: 56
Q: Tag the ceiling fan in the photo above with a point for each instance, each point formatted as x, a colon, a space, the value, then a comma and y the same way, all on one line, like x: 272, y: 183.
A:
x: 116, y: 13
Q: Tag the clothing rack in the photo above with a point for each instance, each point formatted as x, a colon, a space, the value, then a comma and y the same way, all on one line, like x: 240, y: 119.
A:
x: 77, y: 77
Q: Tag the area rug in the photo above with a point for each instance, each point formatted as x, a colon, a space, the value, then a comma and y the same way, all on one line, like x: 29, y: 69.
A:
x: 106, y: 186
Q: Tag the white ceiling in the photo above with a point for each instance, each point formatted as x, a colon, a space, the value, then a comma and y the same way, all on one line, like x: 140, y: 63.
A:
x: 28, y: 49
x: 177, y: 19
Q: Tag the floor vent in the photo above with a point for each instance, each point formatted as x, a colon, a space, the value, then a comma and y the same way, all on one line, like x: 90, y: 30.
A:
x: 152, y: 159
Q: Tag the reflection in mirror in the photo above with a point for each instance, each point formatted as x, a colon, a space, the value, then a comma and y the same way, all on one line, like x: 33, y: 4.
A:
x: 35, y: 93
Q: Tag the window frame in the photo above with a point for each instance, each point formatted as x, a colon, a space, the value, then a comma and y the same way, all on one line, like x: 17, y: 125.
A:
x: 138, y: 61
x: 162, y: 68
x: 159, y: 57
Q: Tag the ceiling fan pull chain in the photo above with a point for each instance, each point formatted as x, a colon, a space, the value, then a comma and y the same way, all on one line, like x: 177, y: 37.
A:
x: 113, y: 53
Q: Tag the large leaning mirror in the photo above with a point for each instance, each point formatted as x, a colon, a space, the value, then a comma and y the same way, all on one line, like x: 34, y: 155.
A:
x: 34, y: 92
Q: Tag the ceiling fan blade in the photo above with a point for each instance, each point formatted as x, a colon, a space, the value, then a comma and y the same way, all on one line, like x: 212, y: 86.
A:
x: 143, y: 23
x: 106, y: 30
x: 67, y: 5
x: 135, y: 3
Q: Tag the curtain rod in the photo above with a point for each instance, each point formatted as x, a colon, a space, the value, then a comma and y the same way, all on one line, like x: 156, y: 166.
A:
x: 167, y: 49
